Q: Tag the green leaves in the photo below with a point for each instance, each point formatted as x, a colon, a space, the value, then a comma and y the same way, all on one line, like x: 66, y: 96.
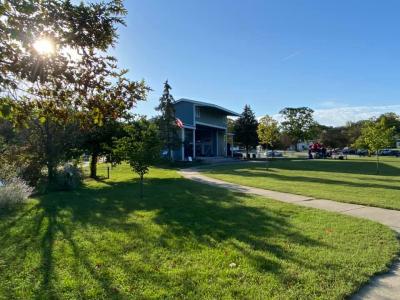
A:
x: 141, y: 147
x: 57, y: 93
x: 375, y: 135
x: 298, y: 122
x: 268, y: 131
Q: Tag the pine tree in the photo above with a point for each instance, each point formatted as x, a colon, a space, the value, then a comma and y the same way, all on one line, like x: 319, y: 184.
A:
x: 246, y: 129
x: 167, y: 121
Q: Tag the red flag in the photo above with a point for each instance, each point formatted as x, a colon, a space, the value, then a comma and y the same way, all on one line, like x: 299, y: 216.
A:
x: 179, y: 123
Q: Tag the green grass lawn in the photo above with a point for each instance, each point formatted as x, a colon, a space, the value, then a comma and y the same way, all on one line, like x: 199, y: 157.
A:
x: 353, y: 180
x: 103, y: 242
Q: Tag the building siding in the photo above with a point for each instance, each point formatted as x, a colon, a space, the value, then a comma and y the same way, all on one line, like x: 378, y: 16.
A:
x: 212, y: 117
x: 184, y: 111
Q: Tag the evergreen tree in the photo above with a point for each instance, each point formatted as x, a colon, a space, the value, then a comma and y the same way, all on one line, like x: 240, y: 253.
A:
x: 167, y: 121
x: 246, y: 129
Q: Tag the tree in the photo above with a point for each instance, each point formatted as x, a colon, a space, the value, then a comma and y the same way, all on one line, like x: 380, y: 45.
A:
x: 167, y: 121
x: 246, y: 129
x: 353, y: 131
x: 140, y: 147
x: 44, y: 134
x: 298, y: 123
x: 230, y: 126
x: 105, y: 97
x: 99, y: 141
x: 375, y: 135
x: 334, y: 137
x: 268, y: 132
x: 391, y: 120
x: 60, y: 26
x: 73, y: 81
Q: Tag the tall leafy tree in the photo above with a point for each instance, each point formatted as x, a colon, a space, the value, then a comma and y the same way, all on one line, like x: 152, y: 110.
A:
x: 375, y: 135
x: 268, y: 132
x: 391, y: 120
x: 352, y: 131
x: 72, y: 81
x: 230, y: 126
x: 167, y: 121
x: 140, y: 147
x: 298, y: 123
x: 246, y: 129
x: 98, y: 141
x: 33, y: 31
x: 334, y: 137
x: 105, y: 97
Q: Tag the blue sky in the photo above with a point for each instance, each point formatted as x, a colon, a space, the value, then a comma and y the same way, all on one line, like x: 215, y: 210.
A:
x: 341, y: 58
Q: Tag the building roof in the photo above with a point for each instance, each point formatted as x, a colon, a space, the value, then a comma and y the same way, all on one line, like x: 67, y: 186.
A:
x: 205, y: 104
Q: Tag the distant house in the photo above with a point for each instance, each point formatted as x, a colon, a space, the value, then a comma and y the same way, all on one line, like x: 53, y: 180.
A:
x: 204, y: 132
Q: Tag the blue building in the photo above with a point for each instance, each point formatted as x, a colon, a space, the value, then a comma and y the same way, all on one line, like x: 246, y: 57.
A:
x: 204, y: 132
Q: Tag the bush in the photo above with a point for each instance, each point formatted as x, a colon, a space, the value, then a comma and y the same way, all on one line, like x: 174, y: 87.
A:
x: 14, y: 191
x: 7, y: 171
x: 69, y: 177
x: 14, y: 165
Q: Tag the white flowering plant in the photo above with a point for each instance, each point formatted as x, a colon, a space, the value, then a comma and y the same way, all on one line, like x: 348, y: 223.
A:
x: 14, y: 191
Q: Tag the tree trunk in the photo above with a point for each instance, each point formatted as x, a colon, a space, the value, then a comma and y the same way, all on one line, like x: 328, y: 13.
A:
x: 49, y: 152
x: 247, y: 152
x: 51, y: 173
x: 141, y: 186
x: 170, y: 153
x: 377, y: 162
x: 93, y: 165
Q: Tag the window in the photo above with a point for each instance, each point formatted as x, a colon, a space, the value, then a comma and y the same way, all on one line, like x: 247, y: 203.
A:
x: 197, y: 112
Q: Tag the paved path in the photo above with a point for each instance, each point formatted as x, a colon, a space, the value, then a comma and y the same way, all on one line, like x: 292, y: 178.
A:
x: 382, y: 287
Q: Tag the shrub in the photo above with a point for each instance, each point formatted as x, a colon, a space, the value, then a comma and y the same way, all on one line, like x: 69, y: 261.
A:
x: 14, y: 191
x: 69, y: 177
x: 7, y: 171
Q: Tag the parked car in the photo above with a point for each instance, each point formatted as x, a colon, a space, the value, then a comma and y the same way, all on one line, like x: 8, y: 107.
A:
x: 348, y: 150
x: 396, y: 153
x: 362, y: 152
x: 274, y: 153
x: 384, y: 152
x: 238, y: 154
x: 389, y: 152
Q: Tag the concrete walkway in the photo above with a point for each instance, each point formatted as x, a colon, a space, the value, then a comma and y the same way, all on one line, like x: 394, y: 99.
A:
x: 386, y: 286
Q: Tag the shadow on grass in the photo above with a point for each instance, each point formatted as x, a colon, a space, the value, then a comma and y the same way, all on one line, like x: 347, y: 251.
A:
x: 187, y: 211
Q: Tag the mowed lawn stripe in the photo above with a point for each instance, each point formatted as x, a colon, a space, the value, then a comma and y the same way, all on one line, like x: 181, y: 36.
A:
x: 351, y: 181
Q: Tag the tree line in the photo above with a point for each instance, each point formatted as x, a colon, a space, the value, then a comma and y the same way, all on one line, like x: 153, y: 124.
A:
x: 298, y: 125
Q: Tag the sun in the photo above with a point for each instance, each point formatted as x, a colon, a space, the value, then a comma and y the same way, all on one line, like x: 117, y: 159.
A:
x: 44, y: 46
